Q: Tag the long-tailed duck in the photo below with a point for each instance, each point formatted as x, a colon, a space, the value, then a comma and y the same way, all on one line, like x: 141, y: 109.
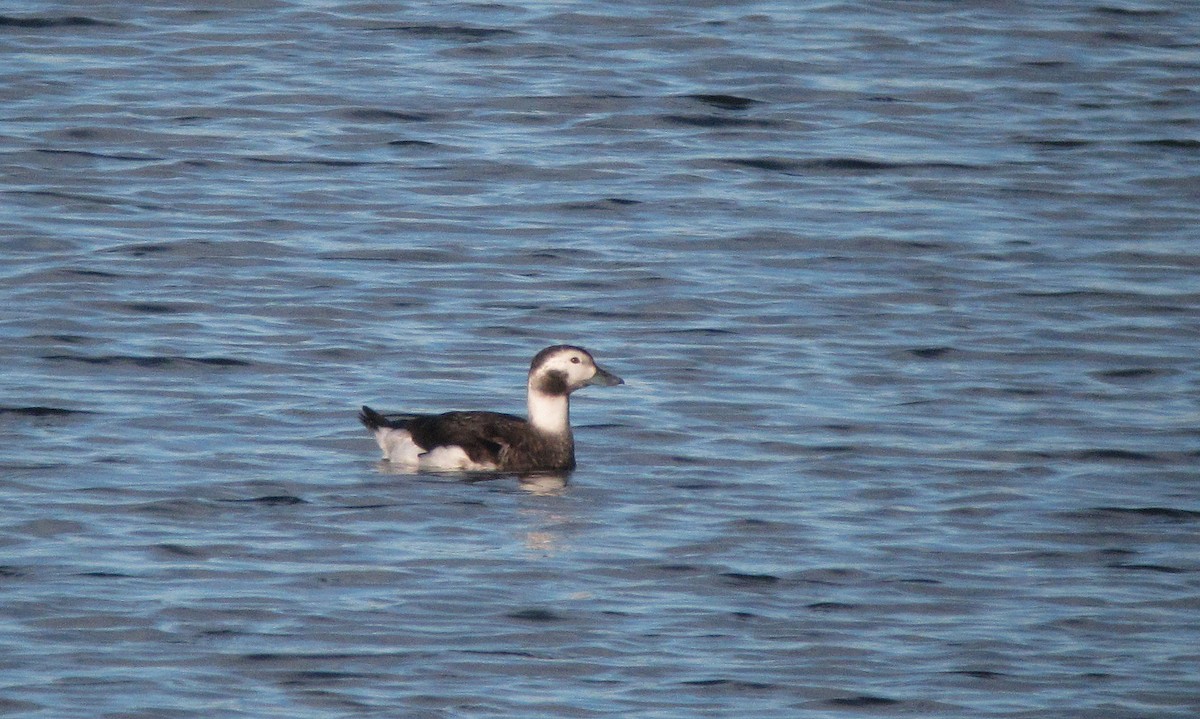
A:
x: 491, y: 441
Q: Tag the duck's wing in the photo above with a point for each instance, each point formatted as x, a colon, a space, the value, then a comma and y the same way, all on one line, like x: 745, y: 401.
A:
x: 484, y: 436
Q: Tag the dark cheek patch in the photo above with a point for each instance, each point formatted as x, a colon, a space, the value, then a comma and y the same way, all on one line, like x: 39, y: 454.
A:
x: 553, y: 382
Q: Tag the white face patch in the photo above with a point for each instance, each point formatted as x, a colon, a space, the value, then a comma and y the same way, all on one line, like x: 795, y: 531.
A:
x: 572, y: 363
x: 556, y: 373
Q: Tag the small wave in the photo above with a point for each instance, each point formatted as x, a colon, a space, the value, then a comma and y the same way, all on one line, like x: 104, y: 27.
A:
x: 149, y: 361
x: 317, y: 161
x: 100, y: 155
x: 744, y: 579
x: 534, y: 614
x: 1170, y: 144
x: 862, y: 701
x: 930, y: 352
x: 424, y: 144
x: 836, y: 164
x: 39, y: 411
x: 1130, y: 12
x: 716, y: 121
x: 979, y: 673
x: 375, y: 114
x: 831, y: 607
x: 724, y: 102
x: 82, y: 197
x: 1161, y: 568
x: 152, y: 308
x: 1108, y: 453
x: 1132, y: 373
x: 53, y: 22
x: 730, y: 684
x: 173, y: 549
x: 606, y: 204
x: 418, y: 255
x: 197, y: 248
x: 455, y: 33
x: 1171, y: 513
x: 701, y: 331
x: 271, y: 500
x: 1058, y: 144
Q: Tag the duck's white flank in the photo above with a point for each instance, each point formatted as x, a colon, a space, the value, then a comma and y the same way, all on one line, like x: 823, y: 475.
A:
x: 398, y: 447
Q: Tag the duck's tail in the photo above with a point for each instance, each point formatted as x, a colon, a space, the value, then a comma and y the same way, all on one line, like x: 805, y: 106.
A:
x: 373, y: 420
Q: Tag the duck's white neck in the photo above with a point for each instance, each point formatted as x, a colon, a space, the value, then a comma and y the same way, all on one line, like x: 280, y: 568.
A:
x: 550, y: 413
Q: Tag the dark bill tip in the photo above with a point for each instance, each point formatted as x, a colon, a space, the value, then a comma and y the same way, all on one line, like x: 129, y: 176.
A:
x: 604, y: 378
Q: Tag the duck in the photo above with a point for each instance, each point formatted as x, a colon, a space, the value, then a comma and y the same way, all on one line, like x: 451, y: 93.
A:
x: 482, y: 441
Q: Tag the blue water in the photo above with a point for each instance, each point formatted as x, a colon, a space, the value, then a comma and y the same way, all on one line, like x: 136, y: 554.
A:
x: 904, y: 293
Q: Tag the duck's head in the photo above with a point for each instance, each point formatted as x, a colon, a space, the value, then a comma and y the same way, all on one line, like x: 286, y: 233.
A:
x: 562, y: 369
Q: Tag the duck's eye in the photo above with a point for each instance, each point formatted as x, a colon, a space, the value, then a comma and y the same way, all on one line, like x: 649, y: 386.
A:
x: 574, y: 360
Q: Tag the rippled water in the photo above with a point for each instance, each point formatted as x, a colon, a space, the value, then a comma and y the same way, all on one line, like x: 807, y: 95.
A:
x: 905, y: 294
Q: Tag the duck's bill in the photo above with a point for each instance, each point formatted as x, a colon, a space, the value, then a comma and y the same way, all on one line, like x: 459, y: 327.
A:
x: 604, y: 378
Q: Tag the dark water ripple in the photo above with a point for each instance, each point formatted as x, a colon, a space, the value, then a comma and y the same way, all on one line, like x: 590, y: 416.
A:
x: 904, y: 294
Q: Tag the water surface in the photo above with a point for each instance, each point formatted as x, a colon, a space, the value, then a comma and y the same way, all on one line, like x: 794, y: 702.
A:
x: 904, y: 294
